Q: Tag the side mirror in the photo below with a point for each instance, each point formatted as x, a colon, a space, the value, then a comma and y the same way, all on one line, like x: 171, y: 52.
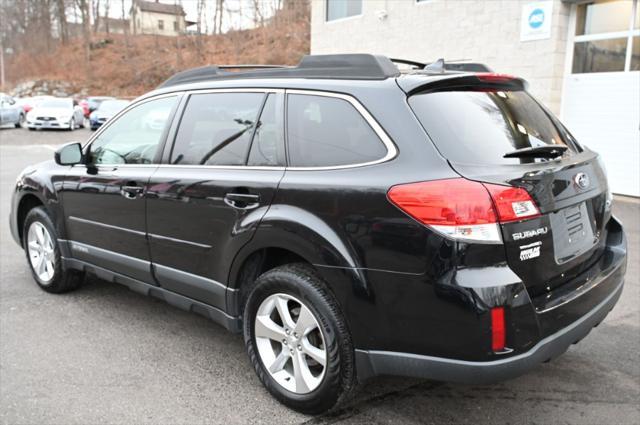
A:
x: 69, y: 154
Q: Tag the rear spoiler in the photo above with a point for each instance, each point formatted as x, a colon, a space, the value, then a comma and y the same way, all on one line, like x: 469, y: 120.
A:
x: 417, y: 83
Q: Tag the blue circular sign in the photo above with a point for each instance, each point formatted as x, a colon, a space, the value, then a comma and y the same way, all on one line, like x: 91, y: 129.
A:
x: 536, y: 18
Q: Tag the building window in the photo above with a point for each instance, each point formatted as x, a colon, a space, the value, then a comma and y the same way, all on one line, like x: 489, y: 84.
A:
x: 160, y: 24
x: 339, y: 9
x: 175, y: 25
x: 607, y: 37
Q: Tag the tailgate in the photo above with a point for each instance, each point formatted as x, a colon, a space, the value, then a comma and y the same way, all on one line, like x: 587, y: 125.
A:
x: 485, y: 128
x: 569, y: 235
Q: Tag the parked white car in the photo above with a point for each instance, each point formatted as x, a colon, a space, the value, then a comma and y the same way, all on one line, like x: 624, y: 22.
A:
x: 63, y: 113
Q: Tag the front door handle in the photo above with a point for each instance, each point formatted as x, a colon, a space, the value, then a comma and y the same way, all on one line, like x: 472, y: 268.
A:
x: 131, y: 191
x: 242, y: 201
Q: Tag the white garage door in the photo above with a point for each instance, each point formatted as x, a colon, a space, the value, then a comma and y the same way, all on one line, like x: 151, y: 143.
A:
x: 602, y: 110
x: 601, y: 96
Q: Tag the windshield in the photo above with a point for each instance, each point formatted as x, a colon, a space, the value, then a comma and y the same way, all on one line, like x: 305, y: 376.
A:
x: 112, y: 106
x: 56, y: 103
x: 480, y: 127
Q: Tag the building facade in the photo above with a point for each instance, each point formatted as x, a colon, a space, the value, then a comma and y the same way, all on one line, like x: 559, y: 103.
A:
x: 153, y: 17
x: 581, y: 58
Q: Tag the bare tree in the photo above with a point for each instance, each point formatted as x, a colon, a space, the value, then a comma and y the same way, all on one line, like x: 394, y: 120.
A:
x: 61, y: 18
x: 178, y: 47
x: 85, y: 15
x: 217, y: 17
x: 95, y: 7
x: 258, y: 16
x: 126, y: 27
x: 107, y: 4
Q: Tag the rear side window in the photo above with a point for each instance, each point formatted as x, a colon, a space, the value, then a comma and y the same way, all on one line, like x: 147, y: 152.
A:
x: 327, y: 131
x: 216, y: 129
x: 479, y: 127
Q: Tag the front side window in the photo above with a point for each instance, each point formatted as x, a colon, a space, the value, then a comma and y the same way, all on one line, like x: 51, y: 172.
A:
x: 338, y: 9
x: 216, y: 129
x: 135, y: 136
x: 327, y: 131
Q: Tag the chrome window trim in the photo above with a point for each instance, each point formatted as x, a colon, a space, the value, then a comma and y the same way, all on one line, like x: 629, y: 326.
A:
x: 392, y: 150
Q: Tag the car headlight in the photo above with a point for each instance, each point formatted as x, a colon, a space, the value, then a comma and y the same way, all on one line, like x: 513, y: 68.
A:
x: 31, y: 116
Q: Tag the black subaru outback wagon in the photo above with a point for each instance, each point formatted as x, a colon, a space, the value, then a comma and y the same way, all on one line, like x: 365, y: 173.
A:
x: 349, y: 219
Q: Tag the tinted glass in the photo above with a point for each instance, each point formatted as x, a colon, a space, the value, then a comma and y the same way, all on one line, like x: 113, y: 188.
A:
x: 603, y: 16
x: 267, y: 148
x: 337, y: 9
x: 134, y: 137
x: 480, y: 127
x: 326, y: 131
x: 216, y: 129
x: 599, y: 55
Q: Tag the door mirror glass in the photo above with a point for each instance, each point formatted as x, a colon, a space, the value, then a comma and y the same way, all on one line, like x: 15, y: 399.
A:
x: 69, y: 154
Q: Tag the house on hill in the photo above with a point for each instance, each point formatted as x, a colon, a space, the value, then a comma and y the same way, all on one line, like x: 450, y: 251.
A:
x: 153, y: 17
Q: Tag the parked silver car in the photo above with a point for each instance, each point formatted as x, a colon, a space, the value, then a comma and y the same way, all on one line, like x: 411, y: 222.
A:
x: 10, y: 111
x: 63, y: 113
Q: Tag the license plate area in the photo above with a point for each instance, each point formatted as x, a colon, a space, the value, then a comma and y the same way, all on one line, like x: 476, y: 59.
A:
x: 573, y: 233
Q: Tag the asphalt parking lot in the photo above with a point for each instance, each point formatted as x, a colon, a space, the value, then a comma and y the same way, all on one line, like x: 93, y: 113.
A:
x: 104, y: 354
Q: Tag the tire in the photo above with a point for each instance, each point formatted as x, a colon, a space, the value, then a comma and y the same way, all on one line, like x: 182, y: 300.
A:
x: 32, y: 129
x: 82, y: 125
x: 20, y: 122
x: 300, y: 287
x: 72, y: 124
x: 61, y: 280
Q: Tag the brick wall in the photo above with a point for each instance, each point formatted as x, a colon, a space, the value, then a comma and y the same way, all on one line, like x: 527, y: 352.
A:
x: 485, y: 31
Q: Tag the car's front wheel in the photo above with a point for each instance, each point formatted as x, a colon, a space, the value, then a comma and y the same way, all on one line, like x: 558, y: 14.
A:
x: 298, y: 341
x: 72, y: 124
x: 21, y: 121
x: 43, y: 254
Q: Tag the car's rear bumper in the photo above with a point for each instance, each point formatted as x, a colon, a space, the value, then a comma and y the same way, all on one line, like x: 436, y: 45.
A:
x: 372, y: 363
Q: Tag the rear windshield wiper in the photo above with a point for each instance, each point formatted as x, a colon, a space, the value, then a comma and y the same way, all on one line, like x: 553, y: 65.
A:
x: 550, y: 151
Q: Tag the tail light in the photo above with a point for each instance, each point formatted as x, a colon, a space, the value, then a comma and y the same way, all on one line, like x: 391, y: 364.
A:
x: 498, y: 334
x: 463, y: 209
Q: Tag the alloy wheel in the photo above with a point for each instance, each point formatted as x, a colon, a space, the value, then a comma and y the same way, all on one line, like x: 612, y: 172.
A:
x: 41, y: 251
x: 290, y: 343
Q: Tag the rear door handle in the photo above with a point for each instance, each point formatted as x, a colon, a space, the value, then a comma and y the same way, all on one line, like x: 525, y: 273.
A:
x: 242, y: 201
x: 130, y: 191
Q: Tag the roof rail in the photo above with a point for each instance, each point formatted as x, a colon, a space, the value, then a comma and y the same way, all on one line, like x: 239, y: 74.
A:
x: 343, y: 66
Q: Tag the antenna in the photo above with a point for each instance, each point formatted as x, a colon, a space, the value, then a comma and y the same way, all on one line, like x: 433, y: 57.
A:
x: 437, y: 67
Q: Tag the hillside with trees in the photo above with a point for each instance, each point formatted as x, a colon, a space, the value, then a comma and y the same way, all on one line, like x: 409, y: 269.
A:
x: 42, y: 43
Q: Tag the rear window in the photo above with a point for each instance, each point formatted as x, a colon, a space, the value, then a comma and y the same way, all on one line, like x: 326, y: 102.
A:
x: 479, y: 127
